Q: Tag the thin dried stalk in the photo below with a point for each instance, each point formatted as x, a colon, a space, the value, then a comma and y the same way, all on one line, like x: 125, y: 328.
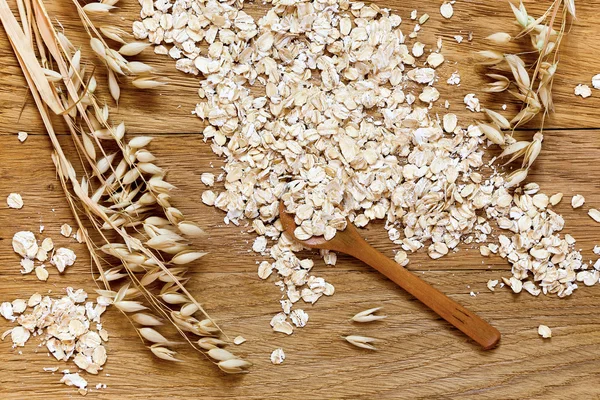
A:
x: 125, y: 199
x: 533, y: 82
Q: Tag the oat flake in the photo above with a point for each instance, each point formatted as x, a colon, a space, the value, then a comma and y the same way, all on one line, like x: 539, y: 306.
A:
x: 14, y: 200
x: 277, y: 356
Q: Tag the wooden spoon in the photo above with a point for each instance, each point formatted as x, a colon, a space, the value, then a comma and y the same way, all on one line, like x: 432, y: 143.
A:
x: 350, y: 242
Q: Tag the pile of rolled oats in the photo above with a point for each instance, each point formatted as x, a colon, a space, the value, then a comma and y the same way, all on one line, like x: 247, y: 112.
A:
x: 324, y: 105
x: 65, y: 326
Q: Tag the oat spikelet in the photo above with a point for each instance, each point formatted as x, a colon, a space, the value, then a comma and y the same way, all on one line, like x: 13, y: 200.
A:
x: 533, y: 82
x: 163, y: 353
x: 97, y: 8
x: 367, y: 315
x: 363, y: 342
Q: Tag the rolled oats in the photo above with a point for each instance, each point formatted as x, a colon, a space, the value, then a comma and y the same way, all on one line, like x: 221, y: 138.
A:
x: 14, y: 200
x: 446, y: 10
x: 596, y: 81
x: 583, y: 91
x: 577, y: 201
x: 315, y: 106
x: 277, y: 356
x: 544, y: 331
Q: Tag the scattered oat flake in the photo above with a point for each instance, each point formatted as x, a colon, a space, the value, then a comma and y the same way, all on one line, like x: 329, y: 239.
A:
x: 583, y: 91
x: 450, y: 122
x: 63, y: 258
x: 208, y: 179
x: 596, y: 81
x: 418, y: 49
x: 491, y: 284
x: 594, y: 214
x: 19, y: 305
x: 41, y: 273
x: 19, y: 336
x: 299, y: 317
x: 577, y: 201
x: 22, y: 136
x: 556, y: 198
x: 458, y: 38
x: 6, y: 310
x: 25, y: 244
x: 238, y: 340
x: 47, y: 244
x: 435, y: 59
x: 446, y: 10
x: 283, y: 327
x: 74, y: 380
x: 14, y: 200
x: 260, y: 244
x: 454, y: 79
x: 544, y: 331
x: 277, y: 356
x: 401, y: 257
x: 472, y: 102
x: 66, y: 230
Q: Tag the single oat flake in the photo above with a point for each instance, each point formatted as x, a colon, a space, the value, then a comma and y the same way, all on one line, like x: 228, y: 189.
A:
x: 594, y: 214
x: 14, y: 200
x: 238, y: 340
x: 583, y: 91
x: 277, y: 356
x: 25, y: 244
x: 596, y: 81
x: 577, y: 201
x: 447, y: 10
x: 544, y: 331
x: 63, y: 258
x: 66, y: 230
x: 22, y: 136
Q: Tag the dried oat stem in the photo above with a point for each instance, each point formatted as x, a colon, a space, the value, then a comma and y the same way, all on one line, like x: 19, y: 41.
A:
x: 120, y: 191
x: 534, y: 89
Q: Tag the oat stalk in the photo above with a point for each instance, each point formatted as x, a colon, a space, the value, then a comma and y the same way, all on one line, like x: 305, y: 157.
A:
x: 531, y: 84
x: 114, y: 186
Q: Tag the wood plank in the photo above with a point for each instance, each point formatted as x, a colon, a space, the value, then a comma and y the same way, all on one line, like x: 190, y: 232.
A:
x: 420, y: 355
x: 168, y: 109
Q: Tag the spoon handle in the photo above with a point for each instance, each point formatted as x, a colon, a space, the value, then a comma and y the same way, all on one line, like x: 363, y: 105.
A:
x: 466, y: 321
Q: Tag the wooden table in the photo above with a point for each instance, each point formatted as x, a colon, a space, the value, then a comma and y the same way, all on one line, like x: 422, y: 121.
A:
x: 420, y: 355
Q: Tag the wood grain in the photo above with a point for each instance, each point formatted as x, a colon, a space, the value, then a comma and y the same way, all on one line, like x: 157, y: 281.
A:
x: 421, y: 356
